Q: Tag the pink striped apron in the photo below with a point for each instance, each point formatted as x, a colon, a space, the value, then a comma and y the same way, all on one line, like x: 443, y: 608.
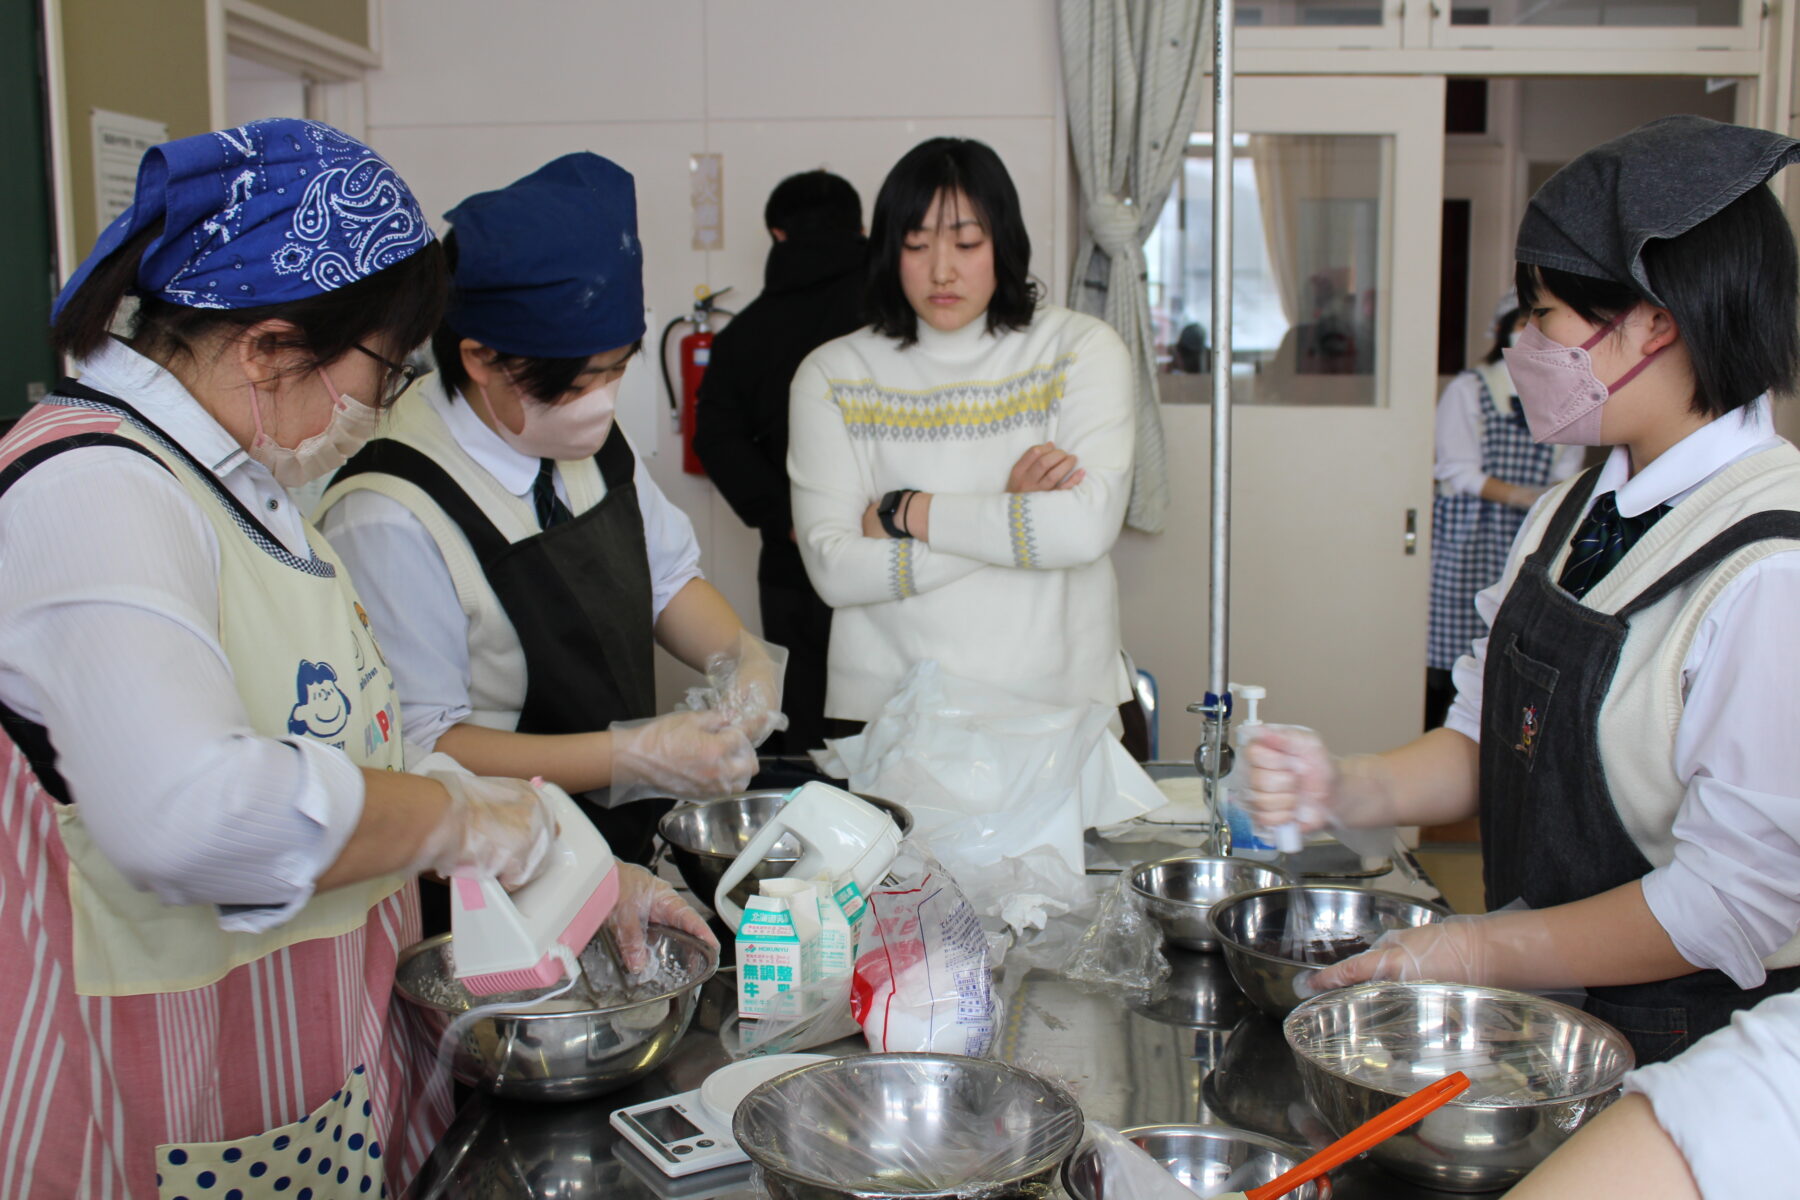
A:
x: 294, y: 1075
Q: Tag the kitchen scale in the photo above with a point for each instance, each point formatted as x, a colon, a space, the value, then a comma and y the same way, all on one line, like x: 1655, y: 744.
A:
x: 691, y: 1132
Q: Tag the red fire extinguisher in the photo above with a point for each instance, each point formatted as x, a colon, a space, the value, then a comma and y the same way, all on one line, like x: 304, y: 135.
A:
x: 694, y: 351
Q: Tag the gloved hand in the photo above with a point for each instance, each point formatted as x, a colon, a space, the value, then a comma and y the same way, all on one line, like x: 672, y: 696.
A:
x: 688, y: 755
x: 747, y: 681
x: 498, y: 827
x: 645, y: 900
x: 1294, y: 779
x: 1509, y: 949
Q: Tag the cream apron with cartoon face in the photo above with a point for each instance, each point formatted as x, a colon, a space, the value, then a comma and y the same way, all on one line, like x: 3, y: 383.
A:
x: 279, y: 1067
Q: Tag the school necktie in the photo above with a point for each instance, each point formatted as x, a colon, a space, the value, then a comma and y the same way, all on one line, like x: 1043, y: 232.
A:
x: 550, y: 508
x: 1601, y: 540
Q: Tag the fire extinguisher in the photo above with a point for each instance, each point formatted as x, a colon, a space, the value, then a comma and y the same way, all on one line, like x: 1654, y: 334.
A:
x: 694, y: 352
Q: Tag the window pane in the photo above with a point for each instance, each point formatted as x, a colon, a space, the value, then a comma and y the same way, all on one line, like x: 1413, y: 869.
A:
x: 1270, y: 14
x: 1618, y: 14
x: 1309, y: 218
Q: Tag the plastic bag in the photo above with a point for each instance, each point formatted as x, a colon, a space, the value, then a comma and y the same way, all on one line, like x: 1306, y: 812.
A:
x: 904, y: 1126
x: 988, y: 775
x: 1123, y: 947
x: 924, y: 978
x: 1130, y: 1171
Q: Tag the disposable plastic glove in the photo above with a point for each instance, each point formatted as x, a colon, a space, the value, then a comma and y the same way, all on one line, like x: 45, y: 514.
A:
x: 1294, y: 779
x: 498, y: 827
x: 747, y: 680
x: 645, y: 900
x: 1510, y: 949
x: 688, y: 755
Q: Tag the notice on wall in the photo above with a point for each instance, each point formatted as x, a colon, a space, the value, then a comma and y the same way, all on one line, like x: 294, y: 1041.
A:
x: 706, y: 192
x: 119, y: 144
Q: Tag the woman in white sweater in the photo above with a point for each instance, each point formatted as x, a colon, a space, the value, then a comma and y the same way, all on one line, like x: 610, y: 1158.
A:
x: 960, y: 468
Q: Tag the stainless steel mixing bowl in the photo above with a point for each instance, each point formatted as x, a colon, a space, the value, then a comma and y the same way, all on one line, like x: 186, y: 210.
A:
x: 575, y: 1048
x: 706, y: 838
x: 1202, y: 1158
x: 1539, y: 1070
x: 1178, y: 893
x: 1199, y: 993
x: 912, y: 1125
x: 1276, y: 937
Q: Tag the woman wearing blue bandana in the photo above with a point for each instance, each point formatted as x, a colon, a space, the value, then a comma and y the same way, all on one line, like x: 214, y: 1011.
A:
x: 516, y: 556
x: 207, y: 842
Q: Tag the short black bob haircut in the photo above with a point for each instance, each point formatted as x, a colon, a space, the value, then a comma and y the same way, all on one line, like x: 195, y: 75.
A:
x: 814, y: 204
x: 946, y: 165
x: 398, y: 305
x: 1503, y: 334
x: 544, y: 379
x: 1731, y: 283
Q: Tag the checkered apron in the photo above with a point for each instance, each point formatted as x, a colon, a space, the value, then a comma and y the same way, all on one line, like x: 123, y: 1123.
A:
x: 1470, y: 536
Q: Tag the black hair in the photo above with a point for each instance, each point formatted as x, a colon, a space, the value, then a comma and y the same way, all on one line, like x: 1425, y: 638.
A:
x: 400, y: 303
x: 1503, y: 334
x: 942, y: 166
x: 543, y: 379
x: 814, y: 204
x: 1733, y: 286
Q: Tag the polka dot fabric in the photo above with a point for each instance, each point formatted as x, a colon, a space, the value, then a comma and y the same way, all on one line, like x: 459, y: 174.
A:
x: 332, y: 1153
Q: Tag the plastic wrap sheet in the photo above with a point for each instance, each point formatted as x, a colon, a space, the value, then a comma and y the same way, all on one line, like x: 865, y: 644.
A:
x: 910, y: 1125
x: 1123, y: 947
x: 1517, y: 1049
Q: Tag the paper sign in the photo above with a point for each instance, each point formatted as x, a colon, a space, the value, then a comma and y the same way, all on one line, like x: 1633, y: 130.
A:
x: 706, y: 192
x: 119, y: 143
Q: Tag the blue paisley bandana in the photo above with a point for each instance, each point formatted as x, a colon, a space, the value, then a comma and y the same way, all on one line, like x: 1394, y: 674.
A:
x: 266, y: 213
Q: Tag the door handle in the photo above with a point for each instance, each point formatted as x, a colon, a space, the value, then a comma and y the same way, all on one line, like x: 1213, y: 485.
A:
x: 1412, y: 531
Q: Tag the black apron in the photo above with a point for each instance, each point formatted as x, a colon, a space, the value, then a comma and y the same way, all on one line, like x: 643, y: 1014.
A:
x: 579, y: 597
x: 1550, y: 833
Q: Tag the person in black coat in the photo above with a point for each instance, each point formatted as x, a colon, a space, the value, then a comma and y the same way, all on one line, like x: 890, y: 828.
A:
x: 812, y: 292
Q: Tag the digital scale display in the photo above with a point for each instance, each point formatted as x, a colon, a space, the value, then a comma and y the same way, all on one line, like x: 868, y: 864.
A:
x: 666, y: 1124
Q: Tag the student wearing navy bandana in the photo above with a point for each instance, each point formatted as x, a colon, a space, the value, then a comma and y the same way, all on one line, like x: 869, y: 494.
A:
x: 207, y: 839
x: 516, y: 556
x: 1624, y: 729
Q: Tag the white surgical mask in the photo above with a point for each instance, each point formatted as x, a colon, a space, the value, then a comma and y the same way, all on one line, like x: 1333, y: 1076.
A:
x: 351, y: 426
x: 572, y: 429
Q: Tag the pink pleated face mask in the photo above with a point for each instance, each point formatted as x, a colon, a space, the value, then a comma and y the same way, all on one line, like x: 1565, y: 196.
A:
x: 1561, y: 395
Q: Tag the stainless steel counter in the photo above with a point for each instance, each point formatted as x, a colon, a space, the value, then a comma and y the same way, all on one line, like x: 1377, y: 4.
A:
x: 1194, y: 1053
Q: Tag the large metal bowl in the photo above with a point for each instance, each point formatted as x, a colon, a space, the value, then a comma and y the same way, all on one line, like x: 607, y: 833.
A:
x: 575, y: 1048
x: 1540, y: 1070
x: 1178, y: 893
x: 1202, y: 1158
x: 936, y: 1126
x: 706, y: 838
x: 1276, y: 937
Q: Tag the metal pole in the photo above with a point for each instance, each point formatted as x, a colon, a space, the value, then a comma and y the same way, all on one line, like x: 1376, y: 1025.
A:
x: 1213, y: 757
x: 1223, y: 127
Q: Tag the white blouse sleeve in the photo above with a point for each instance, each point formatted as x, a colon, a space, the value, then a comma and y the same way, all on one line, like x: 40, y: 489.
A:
x: 109, y: 614
x: 669, y: 539
x: 1729, y: 1103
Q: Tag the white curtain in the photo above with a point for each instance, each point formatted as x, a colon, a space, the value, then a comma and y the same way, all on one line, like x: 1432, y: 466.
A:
x: 1132, y: 72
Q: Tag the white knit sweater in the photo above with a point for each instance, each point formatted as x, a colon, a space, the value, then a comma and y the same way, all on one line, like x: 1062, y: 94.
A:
x: 1013, y: 590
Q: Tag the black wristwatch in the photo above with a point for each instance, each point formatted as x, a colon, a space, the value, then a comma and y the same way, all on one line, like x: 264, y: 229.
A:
x: 889, y: 509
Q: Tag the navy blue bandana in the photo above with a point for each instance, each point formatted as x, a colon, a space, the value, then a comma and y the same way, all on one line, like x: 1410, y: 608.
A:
x: 266, y: 213
x: 550, y: 266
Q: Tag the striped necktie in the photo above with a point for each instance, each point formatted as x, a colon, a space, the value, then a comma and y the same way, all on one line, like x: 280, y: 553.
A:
x: 550, y: 508
x: 1601, y: 540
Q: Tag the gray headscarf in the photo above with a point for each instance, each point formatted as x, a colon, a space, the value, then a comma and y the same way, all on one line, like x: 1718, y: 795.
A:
x: 1595, y: 216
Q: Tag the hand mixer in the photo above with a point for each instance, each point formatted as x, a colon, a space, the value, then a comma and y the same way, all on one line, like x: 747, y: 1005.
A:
x: 515, y: 941
x: 842, y: 838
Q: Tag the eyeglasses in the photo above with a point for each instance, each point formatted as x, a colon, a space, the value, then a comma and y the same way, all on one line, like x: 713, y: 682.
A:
x: 400, y: 375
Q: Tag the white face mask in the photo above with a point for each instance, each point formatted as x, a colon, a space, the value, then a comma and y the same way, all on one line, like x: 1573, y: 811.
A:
x: 351, y: 426
x: 573, y: 429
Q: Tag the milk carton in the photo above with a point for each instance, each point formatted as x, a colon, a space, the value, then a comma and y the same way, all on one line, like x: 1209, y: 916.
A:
x: 777, y: 948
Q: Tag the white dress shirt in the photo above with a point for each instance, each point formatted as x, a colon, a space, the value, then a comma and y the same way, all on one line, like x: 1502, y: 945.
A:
x: 406, y: 585
x: 1458, y: 434
x: 1730, y: 1105
x: 109, y: 616
x: 1732, y: 893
